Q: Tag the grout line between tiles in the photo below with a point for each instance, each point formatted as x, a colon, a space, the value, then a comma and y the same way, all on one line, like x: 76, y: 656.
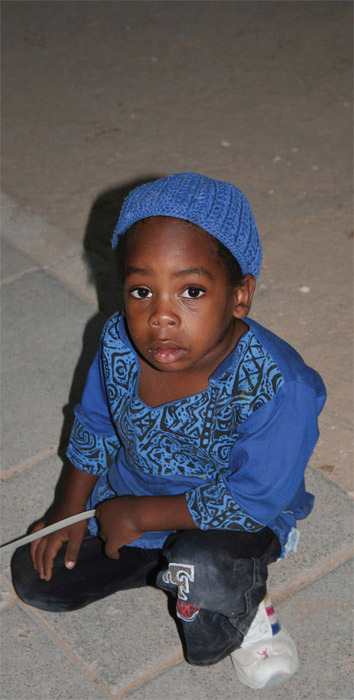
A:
x: 290, y: 590
x: 49, y: 268
x: 31, y: 462
x: 18, y: 276
x: 65, y: 648
x: 175, y: 659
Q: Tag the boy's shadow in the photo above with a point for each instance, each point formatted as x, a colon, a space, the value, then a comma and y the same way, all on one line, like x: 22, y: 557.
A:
x: 103, y: 273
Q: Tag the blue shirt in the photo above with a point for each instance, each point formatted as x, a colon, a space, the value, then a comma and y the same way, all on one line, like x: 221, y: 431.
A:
x: 238, y: 450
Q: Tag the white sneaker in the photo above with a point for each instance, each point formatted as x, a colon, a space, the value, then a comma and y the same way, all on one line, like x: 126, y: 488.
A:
x: 267, y: 655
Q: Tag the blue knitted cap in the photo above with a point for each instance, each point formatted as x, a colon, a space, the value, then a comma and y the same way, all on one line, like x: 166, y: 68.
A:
x: 218, y: 207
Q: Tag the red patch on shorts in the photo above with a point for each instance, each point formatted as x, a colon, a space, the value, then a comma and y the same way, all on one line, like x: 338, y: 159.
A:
x: 186, y: 611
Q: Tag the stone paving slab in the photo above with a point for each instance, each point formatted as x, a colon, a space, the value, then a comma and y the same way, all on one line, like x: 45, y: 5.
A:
x: 13, y: 262
x: 73, y: 272
x: 24, y: 499
x: 121, y: 639
x: 7, y: 593
x: 34, y: 666
x: 44, y: 246
x: 326, y: 538
x: 319, y: 618
x: 28, y: 232
x: 42, y: 329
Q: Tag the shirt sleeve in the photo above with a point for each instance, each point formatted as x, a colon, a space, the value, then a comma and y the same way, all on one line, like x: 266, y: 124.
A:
x: 93, y: 441
x: 266, y: 465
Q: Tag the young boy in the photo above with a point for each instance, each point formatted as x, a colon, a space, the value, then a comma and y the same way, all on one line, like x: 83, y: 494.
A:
x: 192, y: 437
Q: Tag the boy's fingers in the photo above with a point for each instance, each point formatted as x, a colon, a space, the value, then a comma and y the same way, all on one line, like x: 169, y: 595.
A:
x: 33, y: 549
x: 34, y: 545
x: 38, y: 556
x: 50, y: 552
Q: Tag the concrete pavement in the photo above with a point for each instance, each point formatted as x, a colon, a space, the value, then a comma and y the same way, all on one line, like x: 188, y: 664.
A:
x: 98, y: 96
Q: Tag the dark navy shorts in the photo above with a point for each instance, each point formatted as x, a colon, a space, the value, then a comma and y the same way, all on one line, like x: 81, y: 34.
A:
x: 217, y: 578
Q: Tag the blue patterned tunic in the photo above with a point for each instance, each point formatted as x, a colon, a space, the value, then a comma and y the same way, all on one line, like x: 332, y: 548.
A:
x: 238, y: 450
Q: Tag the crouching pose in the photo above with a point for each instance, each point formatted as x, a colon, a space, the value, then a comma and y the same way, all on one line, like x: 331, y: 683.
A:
x: 191, y: 439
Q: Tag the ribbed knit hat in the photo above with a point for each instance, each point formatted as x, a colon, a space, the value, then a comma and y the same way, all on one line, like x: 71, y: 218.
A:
x: 218, y: 207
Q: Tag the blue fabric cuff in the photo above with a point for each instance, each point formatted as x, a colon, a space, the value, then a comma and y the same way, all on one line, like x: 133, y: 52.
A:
x: 212, y: 507
x: 89, y: 452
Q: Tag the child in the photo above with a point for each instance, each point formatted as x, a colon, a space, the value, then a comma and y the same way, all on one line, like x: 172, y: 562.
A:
x: 192, y: 437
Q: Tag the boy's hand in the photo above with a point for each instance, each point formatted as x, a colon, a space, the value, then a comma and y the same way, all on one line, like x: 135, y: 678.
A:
x: 75, y: 492
x: 119, y: 523
x: 126, y: 518
x: 44, y: 550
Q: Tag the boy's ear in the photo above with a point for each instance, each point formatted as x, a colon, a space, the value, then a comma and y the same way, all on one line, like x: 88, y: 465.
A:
x: 243, y: 295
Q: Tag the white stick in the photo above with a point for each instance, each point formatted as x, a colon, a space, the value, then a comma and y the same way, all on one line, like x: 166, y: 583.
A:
x: 47, y: 530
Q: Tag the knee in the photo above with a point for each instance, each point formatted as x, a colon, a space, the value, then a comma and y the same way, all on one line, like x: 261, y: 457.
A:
x: 29, y: 587
x: 203, y: 567
x: 24, y: 576
x: 212, y: 552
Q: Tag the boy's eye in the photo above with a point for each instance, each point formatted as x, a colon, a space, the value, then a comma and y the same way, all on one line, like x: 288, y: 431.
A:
x: 140, y: 293
x: 193, y: 292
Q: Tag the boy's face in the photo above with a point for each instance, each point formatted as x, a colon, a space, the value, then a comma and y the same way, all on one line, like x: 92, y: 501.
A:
x: 180, y: 308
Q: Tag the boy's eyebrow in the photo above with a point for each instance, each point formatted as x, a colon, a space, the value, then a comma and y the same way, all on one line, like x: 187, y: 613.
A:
x: 189, y: 271
x: 194, y: 271
x: 136, y: 271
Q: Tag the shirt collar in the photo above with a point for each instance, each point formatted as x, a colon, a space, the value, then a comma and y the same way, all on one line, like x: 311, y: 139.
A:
x: 233, y: 358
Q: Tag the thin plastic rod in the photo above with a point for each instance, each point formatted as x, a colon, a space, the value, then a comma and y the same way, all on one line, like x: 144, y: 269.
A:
x: 47, y: 530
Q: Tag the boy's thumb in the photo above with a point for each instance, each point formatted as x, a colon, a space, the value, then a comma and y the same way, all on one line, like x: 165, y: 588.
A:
x: 111, y: 551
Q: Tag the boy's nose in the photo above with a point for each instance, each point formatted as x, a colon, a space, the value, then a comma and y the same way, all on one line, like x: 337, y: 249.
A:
x: 163, y: 315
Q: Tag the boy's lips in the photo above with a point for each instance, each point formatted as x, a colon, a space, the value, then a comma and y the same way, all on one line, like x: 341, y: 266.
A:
x: 166, y: 351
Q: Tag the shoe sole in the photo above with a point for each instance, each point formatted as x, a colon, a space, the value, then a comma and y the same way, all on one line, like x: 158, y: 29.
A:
x: 277, y: 679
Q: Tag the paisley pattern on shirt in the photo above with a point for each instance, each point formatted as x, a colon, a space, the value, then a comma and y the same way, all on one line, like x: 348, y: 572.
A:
x: 192, y: 436
x: 212, y: 507
x: 89, y: 452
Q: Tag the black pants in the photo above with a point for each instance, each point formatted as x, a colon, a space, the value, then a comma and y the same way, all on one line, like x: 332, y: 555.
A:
x: 217, y: 578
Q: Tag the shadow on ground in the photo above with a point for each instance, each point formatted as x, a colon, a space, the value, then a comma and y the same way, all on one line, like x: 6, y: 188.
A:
x: 102, y: 269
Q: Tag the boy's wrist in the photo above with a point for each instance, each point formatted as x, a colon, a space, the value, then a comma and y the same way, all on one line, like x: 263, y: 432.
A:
x: 155, y: 513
